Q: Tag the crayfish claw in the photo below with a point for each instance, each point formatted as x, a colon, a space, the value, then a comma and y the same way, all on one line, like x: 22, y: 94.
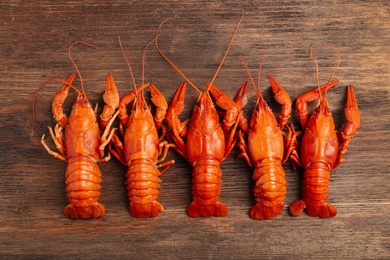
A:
x: 111, y: 100
x: 351, y: 110
x: 176, y: 107
x: 282, y: 98
x: 241, y: 97
x: 161, y: 104
x: 221, y: 99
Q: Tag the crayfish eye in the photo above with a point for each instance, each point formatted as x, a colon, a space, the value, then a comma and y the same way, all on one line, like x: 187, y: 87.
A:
x: 145, y: 107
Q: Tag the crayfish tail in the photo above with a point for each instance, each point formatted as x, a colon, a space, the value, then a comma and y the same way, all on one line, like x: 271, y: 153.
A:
x: 97, y: 210
x: 324, y: 211
x: 206, y: 189
x: 217, y: 209
x: 260, y: 212
x: 83, y: 180
x: 142, y: 183
x: 150, y: 210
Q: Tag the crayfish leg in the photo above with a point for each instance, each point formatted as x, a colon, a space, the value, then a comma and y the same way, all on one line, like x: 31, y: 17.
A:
x: 55, y: 154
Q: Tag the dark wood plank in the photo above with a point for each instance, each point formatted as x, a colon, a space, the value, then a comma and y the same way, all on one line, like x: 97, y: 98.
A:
x: 34, y: 44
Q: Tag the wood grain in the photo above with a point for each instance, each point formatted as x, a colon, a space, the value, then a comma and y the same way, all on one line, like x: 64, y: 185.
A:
x: 35, y: 36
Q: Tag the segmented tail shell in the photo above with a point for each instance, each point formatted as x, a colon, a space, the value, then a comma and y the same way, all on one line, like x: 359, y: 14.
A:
x: 270, y: 190
x: 315, y: 187
x: 206, y: 179
x: 83, y: 180
x: 142, y: 183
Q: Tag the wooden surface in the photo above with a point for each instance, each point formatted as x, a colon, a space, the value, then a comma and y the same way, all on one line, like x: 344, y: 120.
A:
x: 34, y: 43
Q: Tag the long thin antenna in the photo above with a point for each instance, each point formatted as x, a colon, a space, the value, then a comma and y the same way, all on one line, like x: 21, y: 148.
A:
x: 227, y: 50
x: 260, y: 66
x: 338, y: 61
x: 168, y: 60
x: 127, y: 62
x: 317, y: 75
x: 333, y: 72
x: 250, y: 75
x: 74, y: 64
x: 316, y: 63
x: 256, y: 87
x: 147, y: 46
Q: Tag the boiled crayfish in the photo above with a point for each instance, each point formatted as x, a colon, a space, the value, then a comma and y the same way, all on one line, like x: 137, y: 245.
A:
x: 79, y: 142
x: 141, y: 148
x: 204, y: 140
x: 266, y: 148
x: 322, y: 147
x: 205, y: 143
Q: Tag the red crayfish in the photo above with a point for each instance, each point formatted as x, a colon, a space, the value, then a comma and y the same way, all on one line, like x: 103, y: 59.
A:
x: 204, y: 140
x: 322, y: 147
x: 141, y: 148
x: 81, y: 145
x: 266, y: 149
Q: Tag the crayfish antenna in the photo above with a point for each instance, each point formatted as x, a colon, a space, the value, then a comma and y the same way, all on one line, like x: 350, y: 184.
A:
x: 256, y: 87
x: 147, y: 46
x: 75, y: 66
x: 317, y: 75
x: 179, y: 71
x: 260, y: 66
x: 227, y: 51
x: 62, y: 80
x: 128, y: 65
x: 317, y: 70
x: 336, y: 67
x: 159, y: 30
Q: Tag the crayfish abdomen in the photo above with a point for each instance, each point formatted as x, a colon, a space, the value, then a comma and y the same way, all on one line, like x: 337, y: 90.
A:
x: 270, y: 189
x: 83, y: 180
x: 315, y: 187
x: 206, y: 179
x: 142, y: 183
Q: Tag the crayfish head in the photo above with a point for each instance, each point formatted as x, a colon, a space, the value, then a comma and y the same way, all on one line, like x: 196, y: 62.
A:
x: 263, y: 119
x: 81, y: 105
x: 82, y: 115
x: 205, y: 114
x: 140, y: 107
x: 323, y: 108
x: 321, y: 120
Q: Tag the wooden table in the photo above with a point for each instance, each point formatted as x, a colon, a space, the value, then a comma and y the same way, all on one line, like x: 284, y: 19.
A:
x: 34, y: 47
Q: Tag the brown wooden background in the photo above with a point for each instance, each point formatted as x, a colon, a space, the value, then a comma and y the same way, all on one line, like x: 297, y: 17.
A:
x: 35, y: 36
